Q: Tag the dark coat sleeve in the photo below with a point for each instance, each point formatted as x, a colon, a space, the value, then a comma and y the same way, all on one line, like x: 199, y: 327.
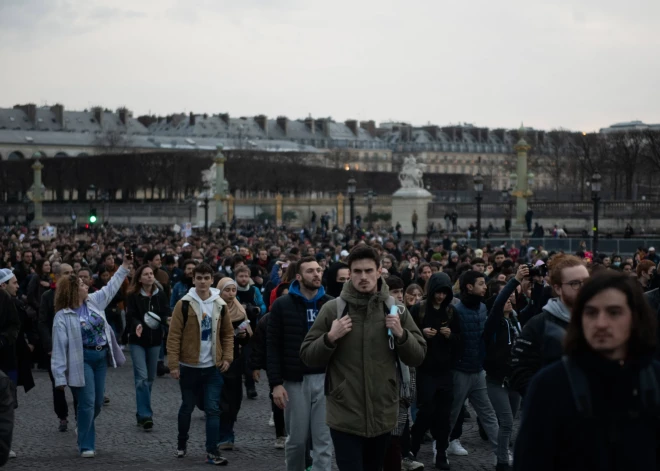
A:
x: 535, y: 305
x: 257, y: 360
x: 12, y: 324
x: 7, y: 394
x: 274, y: 345
x: 497, y: 311
x: 45, y: 323
x: 526, y: 357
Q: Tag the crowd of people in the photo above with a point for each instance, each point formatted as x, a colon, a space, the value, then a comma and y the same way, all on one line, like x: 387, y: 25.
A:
x: 373, y: 346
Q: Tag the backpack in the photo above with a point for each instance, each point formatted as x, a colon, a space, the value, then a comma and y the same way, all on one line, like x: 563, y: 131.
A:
x: 649, y: 390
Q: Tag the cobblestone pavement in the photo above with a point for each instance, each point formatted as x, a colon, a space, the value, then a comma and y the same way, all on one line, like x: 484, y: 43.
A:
x: 122, y: 446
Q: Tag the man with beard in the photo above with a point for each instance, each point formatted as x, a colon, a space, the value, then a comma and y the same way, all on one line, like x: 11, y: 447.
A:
x: 335, y: 277
x: 541, y: 341
x: 298, y: 389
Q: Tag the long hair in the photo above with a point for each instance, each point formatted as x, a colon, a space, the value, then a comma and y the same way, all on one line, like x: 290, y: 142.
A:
x: 642, y: 339
x: 136, y: 284
x: 66, y: 294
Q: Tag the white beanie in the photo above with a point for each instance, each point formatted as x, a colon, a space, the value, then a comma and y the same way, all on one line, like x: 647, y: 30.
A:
x: 5, y: 275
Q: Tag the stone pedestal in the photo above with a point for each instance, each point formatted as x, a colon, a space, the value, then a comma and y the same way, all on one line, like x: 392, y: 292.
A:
x: 404, y: 202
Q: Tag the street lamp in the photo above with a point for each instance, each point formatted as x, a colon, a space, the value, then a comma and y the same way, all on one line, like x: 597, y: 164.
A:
x: 190, y: 199
x: 351, y: 198
x: 369, y: 196
x: 478, y: 187
x: 595, y: 196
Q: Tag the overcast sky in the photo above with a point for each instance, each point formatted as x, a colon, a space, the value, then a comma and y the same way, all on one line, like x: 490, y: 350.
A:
x: 581, y: 64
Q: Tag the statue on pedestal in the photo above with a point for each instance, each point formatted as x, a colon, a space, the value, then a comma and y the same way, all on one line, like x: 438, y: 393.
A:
x: 412, y: 173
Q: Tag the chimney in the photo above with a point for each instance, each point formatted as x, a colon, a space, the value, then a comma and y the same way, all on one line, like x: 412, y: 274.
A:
x: 353, y: 126
x: 311, y: 125
x: 283, y: 123
x: 224, y: 117
x: 98, y: 115
x: 262, y: 122
x: 30, y: 110
x: 433, y: 131
x: 123, y: 115
x: 370, y: 127
x: 147, y: 120
x: 58, y: 111
x: 177, y: 118
x: 168, y: 119
x: 323, y: 126
x: 191, y: 119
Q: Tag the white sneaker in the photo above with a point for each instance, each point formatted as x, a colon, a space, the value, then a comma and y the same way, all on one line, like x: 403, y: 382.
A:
x: 510, y: 458
x: 271, y: 421
x: 280, y: 442
x: 455, y: 448
x: 409, y: 464
x: 12, y: 454
x: 88, y: 454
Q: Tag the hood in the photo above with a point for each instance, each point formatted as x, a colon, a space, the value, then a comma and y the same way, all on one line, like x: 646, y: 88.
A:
x: 558, y: 309
x: 333, y: 287
x: 294, y: 290
x: 215, y: 294
x: 353, y: 296
x: 438, y: 282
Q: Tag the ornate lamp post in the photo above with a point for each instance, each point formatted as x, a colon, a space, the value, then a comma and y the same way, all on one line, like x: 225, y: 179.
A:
x: 595, y: 197
x: 479, y: 188
x: 351, y: 198
x: 369, y: 196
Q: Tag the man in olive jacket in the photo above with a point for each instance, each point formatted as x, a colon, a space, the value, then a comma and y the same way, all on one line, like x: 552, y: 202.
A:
x: 362, y: 372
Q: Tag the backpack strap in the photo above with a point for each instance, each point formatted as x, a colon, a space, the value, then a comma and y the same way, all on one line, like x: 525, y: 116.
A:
x: 342, y: 308
x: 648, y: 384
x: 579, y: 387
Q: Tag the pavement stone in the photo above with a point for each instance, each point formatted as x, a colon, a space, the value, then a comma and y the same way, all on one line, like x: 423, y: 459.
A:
x: 123, y: 446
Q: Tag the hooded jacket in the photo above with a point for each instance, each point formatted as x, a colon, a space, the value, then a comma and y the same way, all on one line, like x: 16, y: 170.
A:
x: 333, y: 287
x: 441, y: 351
x: 362, y: 389
x: 184, y: 341
x: 137, y: 304
x: 291, y: 317
x: 539, y: 344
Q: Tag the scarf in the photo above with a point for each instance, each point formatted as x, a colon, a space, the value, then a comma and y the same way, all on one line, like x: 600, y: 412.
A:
x: 234, y: 308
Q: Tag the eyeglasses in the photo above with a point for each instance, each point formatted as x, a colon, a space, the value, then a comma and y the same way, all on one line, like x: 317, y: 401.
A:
x: 575, y: 284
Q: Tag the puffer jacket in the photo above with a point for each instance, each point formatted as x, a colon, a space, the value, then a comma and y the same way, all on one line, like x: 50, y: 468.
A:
x: 473, y: 322
x: 362, y: 386
x: 137, y: 304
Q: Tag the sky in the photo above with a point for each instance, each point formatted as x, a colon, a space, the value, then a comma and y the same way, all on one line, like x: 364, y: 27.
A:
x: 579, y: 65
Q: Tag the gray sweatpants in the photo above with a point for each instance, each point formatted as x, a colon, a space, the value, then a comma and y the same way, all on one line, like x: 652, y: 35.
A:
x: 305, y: 414
x: 506, y: 402
x: 472, y: 386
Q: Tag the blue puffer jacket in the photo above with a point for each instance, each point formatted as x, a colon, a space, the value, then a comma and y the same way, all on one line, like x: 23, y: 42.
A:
x: 472, y: 328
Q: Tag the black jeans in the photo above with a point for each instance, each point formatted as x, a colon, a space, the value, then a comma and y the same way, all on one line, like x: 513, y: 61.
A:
x: 458, y: 428
x: 355, y: 453
x: 434, y: 400
x: 278, y: 417
x: 59, y: 401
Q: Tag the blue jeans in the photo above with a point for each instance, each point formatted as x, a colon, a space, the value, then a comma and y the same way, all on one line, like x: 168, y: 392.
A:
x: 145, y: 361
x: 90, y: 396
x: 191, y: 381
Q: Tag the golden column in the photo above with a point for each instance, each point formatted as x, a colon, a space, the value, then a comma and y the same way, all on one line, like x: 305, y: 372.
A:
x: 340, y: 210
x: 221, y: 188
x: 230, y: 208
x: 523, y: 180
x: 36, y: 194
x: 278, y: 210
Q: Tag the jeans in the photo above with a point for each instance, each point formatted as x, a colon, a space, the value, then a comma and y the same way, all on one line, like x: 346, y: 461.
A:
x: 305, y: 414
x: 473, y: 386
x: 59, y: 401
x: 434, y: 400
x: 145, y: 361
x: 278, y: 418
x: 90, y: 396
x: 355, y: 453
x: 191, y: 381
x: 230, y: 402
x: 506, y: 402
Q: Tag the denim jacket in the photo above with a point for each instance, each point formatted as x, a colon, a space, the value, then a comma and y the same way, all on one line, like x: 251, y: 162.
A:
x: 67, y: 363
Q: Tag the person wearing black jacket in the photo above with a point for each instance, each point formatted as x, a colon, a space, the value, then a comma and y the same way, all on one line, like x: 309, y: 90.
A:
x: 440, y: 324
x: 147, y: 310
x: 541, y: 341
x: 45, y: 325
x: 298, y: 389
x: 597, y: 409
x: 334, y: 278
x: 7, y: 403
x: 501, y: 330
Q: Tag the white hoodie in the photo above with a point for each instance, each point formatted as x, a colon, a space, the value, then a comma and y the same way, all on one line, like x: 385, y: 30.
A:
x: 205, y: 316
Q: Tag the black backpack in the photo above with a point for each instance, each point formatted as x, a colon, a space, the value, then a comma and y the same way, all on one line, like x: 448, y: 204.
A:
x: 649, y: 390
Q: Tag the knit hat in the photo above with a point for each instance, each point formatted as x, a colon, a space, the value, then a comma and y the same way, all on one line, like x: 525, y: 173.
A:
x: 5, y: 275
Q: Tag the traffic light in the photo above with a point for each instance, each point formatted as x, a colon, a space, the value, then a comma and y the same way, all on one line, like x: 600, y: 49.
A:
x: 92, y: 216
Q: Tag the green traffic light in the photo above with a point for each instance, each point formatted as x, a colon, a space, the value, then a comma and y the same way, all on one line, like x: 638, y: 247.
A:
x: 92, y: 219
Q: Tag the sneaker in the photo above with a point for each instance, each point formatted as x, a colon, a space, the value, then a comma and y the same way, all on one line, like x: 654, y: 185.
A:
x: 64, y: 425
x: 148, y: 424
x: 510, y: 458
x: 271, y: 421
x: 455, y: 448
x: 181, y: 452
x: 408, y: 463
x: 88, y: 454
x: 161, y: 369
x: 12, y: 454
x: 251, y: 393
x: 216, y: 459
x: 106, y: 400
x: 441, y: 461
x: 280, y: 442
x: 226, y: 446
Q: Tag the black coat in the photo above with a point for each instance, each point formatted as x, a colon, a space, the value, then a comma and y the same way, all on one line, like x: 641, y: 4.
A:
x: 10, y: 325
x: 7, y: 403
x: 259, y: 357
x: 136, y: 306
x: 621, y: 435
x: 287, y: 327
x: 46, y: 318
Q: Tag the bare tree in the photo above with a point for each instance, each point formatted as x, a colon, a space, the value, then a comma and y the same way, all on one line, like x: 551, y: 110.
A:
x: 112, y: 141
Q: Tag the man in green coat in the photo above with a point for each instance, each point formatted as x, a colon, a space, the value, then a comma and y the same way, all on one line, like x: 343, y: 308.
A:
x: 362, y: 362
